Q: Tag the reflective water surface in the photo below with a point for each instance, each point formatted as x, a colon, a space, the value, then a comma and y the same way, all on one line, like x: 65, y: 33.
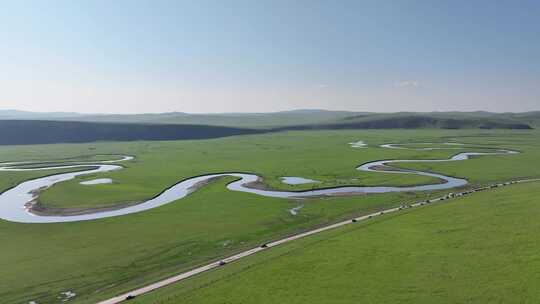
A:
x: 97, y: 181
x: 294, y: 180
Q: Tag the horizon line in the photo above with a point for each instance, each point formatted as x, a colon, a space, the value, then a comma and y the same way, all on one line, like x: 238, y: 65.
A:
x: 257, y: 112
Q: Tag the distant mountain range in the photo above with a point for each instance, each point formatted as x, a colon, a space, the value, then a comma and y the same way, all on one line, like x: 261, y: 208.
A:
x: 16, y: 114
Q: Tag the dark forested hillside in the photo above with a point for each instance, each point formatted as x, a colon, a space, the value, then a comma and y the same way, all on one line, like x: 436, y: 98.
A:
x: 17, y: 132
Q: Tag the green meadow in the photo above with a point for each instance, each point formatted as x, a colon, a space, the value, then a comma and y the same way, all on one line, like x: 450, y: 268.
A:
x: 99, y: 259
x: 478, y: 249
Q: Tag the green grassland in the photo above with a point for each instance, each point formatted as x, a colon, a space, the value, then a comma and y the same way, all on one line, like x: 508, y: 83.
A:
x: 98, y: 259
x: 492, y: 168
x: 323, y: 156
x: 119, y: 253
x: 479, y: 249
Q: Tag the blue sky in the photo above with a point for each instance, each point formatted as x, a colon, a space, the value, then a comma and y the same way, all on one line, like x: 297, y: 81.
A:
x: 246, y: 56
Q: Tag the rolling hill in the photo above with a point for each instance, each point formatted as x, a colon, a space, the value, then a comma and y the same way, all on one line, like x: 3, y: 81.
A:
x: 284, y: 118
x: 18, y: 127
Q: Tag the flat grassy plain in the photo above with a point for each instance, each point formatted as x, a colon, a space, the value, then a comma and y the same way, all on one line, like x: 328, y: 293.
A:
x: 491, y: 168
x: 478, y: 249
x: 322, y: 156
x: 98, y: 259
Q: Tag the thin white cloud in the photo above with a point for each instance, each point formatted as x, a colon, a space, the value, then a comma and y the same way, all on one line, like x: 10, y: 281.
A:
x: 407, y: 84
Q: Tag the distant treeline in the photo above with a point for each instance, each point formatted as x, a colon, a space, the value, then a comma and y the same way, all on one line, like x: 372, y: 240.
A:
x: 20, y: 132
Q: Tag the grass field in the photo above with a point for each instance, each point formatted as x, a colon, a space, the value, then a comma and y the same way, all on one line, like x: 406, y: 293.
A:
x: 101, y: 258
x: 479, y: 249
x: 322, y: 156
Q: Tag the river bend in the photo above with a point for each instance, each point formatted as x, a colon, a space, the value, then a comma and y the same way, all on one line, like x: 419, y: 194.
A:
x: 15, y: 201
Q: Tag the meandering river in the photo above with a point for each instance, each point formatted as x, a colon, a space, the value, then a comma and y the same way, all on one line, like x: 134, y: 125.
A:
x: 15, y: 201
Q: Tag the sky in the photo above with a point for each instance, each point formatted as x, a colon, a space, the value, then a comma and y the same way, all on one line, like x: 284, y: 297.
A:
x: 263, y: 56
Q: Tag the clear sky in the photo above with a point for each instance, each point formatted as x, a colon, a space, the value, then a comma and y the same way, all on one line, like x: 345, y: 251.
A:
x: 246, y: 56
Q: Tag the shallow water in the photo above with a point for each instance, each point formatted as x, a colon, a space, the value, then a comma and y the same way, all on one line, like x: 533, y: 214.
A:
x: 97, y: 181
x: 13, y: 201
x: 294, y: 211
x: 358, y: 144
x: 294, y: 180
